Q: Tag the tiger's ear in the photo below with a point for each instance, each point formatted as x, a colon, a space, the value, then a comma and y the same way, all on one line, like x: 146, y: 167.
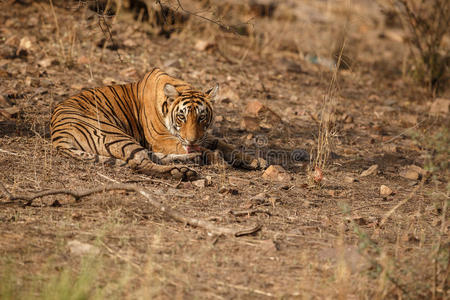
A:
x: 170, y: 91
x: 213, y: 92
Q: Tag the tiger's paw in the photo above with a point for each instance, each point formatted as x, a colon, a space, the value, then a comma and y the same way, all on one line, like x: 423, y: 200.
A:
x: 177, y: 172
x: 248, y: 162
x: 183, y: 173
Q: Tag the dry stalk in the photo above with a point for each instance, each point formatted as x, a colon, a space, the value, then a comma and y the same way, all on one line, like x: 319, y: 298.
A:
x: 146, y: 194
x: 326, y: 123
x: 58, y: 32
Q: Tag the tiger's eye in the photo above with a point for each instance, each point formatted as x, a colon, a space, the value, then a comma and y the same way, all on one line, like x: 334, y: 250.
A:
x: 202, y: 117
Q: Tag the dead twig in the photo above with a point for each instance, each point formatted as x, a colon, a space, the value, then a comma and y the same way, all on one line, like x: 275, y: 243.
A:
x: 248, y: 212
x: 413, y: 192
x: 133, y: 188
x: 224, y: 27
x: 246, y: 289
x: 9, y: 152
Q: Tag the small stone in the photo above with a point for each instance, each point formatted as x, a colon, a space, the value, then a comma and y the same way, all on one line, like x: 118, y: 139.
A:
x: 46, y: 62
x: 276, y: 173
x: 318, y: 175
x: 413, y: 172
x: 418, y: 169
x: 77, y: 86
x: 201, y: 183
x: 348, y: 179
x: 249, y: 124
x: 371, y: 170
x: 390, y: 148
x: 79, y: 248
x: 385, y: 190
x: 254, y: 108
x: 109, y: 81
x: 259, y: 197
x: 228, y: 93
x: 4, y: 101
x: 347, y: 119
x: 410, y: 174
x: 236, y: 181
x: 10, y: 112
x: 202, y: 45
x: 219, y: 119
x: 440, y: 106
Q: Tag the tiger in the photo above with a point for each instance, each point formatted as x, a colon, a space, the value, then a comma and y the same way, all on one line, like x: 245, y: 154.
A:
x: 154, y: 126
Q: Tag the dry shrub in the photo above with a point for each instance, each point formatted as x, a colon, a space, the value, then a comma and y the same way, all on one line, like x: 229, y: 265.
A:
x: 428, y: 22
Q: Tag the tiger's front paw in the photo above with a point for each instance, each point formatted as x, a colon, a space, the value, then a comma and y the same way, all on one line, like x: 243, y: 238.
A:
x: 183, y: 173
x: 248, y: 162
x: 178, y: 172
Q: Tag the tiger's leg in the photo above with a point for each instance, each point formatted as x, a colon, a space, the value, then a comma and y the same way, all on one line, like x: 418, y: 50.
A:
x: 166, y: 159
x: 231, y: 155
x: 116, y: 145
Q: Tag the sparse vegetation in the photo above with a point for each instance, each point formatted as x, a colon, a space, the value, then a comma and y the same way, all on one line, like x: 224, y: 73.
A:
x: 428, y: 23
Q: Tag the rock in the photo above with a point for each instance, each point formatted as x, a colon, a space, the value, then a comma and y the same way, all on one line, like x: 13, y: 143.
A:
x: 47, y: 62
x: 228, y: 93
x: 409, y: 119
x: 318, y: 175
x: 238, y: 181
x: 4, y: 101
x: 202, y: 45
x: 79, y: 248
x: 254, y: 108
x: 77, y: 86
x: 218, y: 119
x: 201, y: 183
x: 418, y: 169
x: 389, y: 148
x: 440, y: 106
x: 413, y: 172
x: 9, y: 112
x: 109, y: 81
x: 371, y: 170
x: 348, y: 179
x: 276, y: 173
x: 25, y: 46
x: 249, y: 124
x: 259, y: 197
x: 385, y: 190
x: 410, y: 174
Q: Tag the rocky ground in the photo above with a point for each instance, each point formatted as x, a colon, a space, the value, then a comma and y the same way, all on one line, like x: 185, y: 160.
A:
x: 370, y: 221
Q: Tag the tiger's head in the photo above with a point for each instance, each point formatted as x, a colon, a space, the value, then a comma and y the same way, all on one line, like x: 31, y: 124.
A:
x: 188, y: 114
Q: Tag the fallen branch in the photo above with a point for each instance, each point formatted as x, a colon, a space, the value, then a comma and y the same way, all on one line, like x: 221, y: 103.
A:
x: 133, y: 188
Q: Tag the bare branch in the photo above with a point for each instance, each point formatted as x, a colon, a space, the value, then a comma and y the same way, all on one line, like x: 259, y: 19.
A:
x: 222, y: 26
x: 145, y: 193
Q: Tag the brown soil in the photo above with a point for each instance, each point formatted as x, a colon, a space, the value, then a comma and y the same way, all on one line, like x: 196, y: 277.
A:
x: 322, y: 240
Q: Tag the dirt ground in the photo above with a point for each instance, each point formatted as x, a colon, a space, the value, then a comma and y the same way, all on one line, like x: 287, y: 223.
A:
x: 336, y: 237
